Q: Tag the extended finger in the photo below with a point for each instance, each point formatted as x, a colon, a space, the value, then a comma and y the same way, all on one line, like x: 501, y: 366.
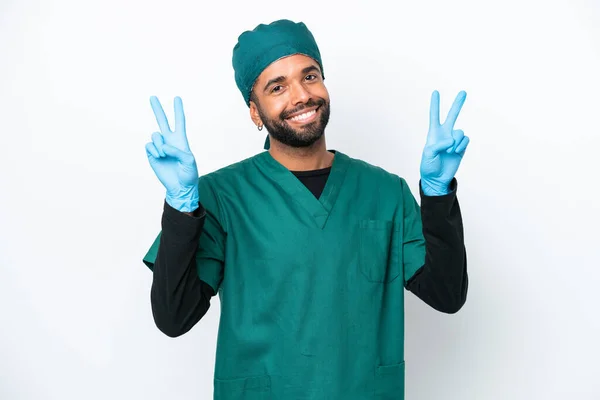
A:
x: 455, y: 109
x: 159, y: 113
x: 151, y: 150
x: 434, y: 109
x: 158, y: 141
x: 179, y: 116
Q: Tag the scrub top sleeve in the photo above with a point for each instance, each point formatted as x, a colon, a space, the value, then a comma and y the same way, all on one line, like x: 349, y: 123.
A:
x: 413, y: 241
x: 150, y: 257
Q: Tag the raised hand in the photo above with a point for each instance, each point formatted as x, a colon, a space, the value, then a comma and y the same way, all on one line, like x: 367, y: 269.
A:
x: 444, y: 149
x: 171, y: 159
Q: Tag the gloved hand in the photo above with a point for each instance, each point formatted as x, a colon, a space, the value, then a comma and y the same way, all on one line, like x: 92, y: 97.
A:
x: 444, y: 149
x: 171, y: 159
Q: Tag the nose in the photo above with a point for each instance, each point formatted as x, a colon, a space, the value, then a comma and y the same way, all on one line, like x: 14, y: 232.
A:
x: 299, y: 94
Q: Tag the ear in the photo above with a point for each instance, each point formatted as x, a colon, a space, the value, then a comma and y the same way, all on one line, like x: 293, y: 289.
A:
x: 254, y: 115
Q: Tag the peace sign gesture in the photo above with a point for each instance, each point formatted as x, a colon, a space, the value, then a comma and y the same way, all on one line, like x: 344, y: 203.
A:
x: 444, y: 149
x: 171, y: 159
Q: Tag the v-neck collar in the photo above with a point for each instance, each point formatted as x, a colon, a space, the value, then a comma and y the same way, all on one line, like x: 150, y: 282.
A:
x: 320, y: 208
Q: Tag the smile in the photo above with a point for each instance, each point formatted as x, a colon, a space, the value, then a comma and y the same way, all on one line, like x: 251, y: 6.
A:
x: 305, y: 117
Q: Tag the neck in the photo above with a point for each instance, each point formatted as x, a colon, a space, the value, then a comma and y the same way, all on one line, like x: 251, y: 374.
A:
x: 304, y: 158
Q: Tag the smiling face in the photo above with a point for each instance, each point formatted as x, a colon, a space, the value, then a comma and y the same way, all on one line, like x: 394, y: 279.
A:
x: 290, y: 99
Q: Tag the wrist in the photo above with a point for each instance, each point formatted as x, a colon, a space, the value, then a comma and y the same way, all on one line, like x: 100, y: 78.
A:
x: 430, y: 188
x: 186, y: 201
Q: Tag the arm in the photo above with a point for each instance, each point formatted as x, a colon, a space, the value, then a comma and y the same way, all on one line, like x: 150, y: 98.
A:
x: 179, y: 298
x: 187, y: 260
x: 187, y: 257
x: 442, y: 282
x: 435, y: 232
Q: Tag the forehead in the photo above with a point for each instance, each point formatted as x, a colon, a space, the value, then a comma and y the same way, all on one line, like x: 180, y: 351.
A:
x: 287, y: 66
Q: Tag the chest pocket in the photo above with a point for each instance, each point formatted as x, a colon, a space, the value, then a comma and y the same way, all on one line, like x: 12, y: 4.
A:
x: 379, y: 255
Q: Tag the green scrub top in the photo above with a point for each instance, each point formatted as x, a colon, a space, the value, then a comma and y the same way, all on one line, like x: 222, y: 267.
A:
x: 311, y: 290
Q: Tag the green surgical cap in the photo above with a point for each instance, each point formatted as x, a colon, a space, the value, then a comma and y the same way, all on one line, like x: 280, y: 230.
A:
x: 259, y: 48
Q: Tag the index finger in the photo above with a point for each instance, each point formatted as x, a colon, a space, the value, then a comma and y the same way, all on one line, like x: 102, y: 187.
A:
x: 455, y: 110
x: 179, y: 116
x: 434, y: 109
x: 159, y: 113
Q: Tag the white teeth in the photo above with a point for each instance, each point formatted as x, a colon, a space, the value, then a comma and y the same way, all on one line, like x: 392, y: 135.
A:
x: 304, y: 116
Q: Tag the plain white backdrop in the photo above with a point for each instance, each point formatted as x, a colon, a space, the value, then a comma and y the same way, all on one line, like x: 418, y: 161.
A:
x: 80, y: 204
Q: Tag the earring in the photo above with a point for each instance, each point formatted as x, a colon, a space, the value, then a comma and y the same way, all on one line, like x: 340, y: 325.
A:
x: 260, y: 127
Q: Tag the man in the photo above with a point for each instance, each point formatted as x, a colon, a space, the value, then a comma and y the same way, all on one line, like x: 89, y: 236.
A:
x: 309, y: 249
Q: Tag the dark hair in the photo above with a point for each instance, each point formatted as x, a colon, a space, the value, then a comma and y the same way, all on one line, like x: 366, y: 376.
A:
x: 253, y: 97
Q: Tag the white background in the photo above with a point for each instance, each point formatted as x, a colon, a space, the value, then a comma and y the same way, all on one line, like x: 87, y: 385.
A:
x: 80, y: 204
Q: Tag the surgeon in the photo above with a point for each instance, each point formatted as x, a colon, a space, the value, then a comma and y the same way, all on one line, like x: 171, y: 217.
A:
x: 309, y: 249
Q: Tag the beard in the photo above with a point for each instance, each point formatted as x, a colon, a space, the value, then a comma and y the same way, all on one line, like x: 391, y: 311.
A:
x: 305, y: 135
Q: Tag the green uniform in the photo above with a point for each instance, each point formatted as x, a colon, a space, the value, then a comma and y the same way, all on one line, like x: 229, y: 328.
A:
x: 311, y: 290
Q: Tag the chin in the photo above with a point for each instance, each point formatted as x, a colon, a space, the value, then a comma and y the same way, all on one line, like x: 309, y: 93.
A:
x: 309, y: 141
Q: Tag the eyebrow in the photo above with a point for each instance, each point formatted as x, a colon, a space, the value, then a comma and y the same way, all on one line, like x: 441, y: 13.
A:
x: 282, y: 78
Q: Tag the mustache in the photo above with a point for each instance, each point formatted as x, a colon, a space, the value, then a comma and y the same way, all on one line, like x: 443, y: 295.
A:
x: 308, y: 104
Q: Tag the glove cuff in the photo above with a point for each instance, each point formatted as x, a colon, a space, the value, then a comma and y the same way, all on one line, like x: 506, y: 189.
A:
x: 433, y: 189
x: 185, y: 201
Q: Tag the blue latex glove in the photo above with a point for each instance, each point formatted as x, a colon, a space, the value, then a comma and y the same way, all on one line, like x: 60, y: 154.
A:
x: 171, y: 159
x: 444, y: 149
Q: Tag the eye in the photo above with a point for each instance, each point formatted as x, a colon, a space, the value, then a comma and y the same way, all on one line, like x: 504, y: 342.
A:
x: 276, y: 88
x: 311, y: 77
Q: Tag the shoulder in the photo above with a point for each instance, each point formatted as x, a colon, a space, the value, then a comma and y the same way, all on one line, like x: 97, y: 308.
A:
x: 373, y: 178
x: 228, y: 175
x: 214, y: 186
x: 375, y: 173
